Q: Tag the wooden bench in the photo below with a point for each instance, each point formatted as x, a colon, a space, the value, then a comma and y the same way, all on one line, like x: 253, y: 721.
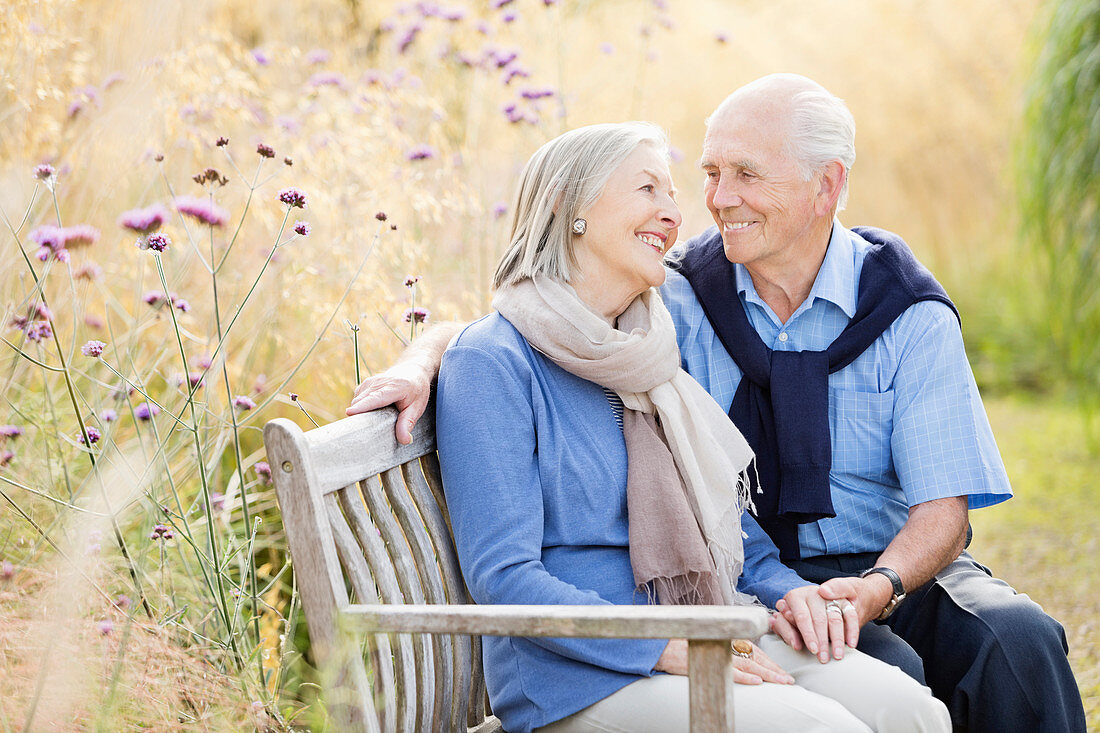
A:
x: 391, y: 624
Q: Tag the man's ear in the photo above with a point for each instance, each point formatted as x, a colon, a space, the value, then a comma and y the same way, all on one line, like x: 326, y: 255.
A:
x: 831, y: 181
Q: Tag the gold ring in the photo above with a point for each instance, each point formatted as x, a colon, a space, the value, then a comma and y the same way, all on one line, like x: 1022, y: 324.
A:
x: 742, y: 648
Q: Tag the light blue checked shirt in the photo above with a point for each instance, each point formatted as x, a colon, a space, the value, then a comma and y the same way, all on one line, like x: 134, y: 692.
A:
x: 907, y: 423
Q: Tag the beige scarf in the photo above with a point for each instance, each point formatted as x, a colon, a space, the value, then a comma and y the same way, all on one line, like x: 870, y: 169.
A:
x: 686, y: 480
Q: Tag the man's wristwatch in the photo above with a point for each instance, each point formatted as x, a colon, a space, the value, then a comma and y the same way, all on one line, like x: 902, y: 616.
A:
x: 899, y: 590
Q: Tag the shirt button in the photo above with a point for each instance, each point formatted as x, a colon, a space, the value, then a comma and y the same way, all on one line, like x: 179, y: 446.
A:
x: 783, y: 336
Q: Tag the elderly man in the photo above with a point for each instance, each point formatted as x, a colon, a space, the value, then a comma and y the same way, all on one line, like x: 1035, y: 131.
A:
x: 841, y: 360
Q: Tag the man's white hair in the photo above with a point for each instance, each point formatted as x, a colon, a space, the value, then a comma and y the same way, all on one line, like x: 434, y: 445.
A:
x: 821, y: 128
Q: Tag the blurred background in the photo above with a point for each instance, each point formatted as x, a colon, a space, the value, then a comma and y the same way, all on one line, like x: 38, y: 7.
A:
x: 405, y: 125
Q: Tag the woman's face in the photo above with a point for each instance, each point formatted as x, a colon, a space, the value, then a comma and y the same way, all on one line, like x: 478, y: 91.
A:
x: 630, y: 226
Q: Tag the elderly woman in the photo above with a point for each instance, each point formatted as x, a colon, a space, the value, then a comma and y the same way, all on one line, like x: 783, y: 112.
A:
x: 583, y: 466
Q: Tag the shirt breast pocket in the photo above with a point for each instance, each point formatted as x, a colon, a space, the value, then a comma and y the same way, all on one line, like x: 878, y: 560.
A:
x: 861, y: 424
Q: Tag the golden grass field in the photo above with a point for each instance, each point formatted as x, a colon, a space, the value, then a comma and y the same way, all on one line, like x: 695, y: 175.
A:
x: 419, y: 112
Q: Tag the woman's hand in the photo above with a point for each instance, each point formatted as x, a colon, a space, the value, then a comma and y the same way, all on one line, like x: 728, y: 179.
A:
x: 760, y: 668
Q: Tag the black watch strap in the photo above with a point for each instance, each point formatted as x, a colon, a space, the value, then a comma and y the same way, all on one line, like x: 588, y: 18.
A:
x: 899, y: 589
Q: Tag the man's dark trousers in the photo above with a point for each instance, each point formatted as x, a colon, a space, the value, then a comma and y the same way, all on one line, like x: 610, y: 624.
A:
x: 980, y: 646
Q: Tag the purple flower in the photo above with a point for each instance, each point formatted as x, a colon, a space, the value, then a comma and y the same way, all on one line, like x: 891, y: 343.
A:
x: 509, y: 17
x: 93, y: 321
x: 607, y: 48
x: 122, y: 602
x: 80, y: 235
x: 146, y: 411
x: 318, y: 56
x: 108, y: 415
x: 93, y: 435
x: 181, y: 305
x: 499, y: 209
x: 263, y: 470
x: 6, y: 458
x: 411, y: 280
x: 381, y: 216
x: 104, y: 627
x: 243, y: 402
x: 217, y: 501
x: 157, y: 242
x: 10, y: 431
x: 420, y: 152
x: 293, y: 396
x: 265, y: 151
x: 328, y: 78
x: 293, y: 198
x: 7, y: 570
x: 302, y: 228
x: 154, y: 298
x: 416, y: 315
x: 515, y: 71
x: 144, y: 221
x: 89, y: 271
x: 161, y: 532
x: 39, y: 331
x: 48, y: 236
x: 93, y: 348
x: 502, y: 58
x: 203, y: 362
x: 201, y: 209
x: 195, y: 379
x: 533, y: 94
x: 452, y: 14
x: 408, y: 38
x: 260, y: 57
x: 721, y: 37
x: 222, y: 141
x: 497, y: 4
x: 44, y: 172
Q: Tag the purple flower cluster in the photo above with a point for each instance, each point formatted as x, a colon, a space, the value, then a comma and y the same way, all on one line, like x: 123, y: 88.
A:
x: 156, y: 298
x: 146, y: 411
x: 6, y: 458
x: 499, y: 209
x: 194, y: 379
x: 420, y: 152
x: 157, y: 242
x: 56, y: 241
x: 318, y: 56
x: 108, y: 415
x: 265, y: 151
x: 144, y: 221
x: 10, y: 431
x: 201, y: 209
x: 411, y: 280
x: 328, y: 79
x: 293, y: 198
x: 161, y: 532
x: 93, y: 435
x: 243, y: 402
x: 301, y: 228
x: 416, y: 315
x: 44, y: 172
x: 93, y: 348
x: 39, y: 331
x: 263, y: 470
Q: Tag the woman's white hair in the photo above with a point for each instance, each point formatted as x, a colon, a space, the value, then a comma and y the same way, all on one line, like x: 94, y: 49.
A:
x: 563, y: 178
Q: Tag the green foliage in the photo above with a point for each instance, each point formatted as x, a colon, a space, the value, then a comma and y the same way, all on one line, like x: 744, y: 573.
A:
x: 1059, y: 164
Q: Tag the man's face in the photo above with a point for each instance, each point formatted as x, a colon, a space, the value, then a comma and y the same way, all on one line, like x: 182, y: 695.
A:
x: 754, y: 190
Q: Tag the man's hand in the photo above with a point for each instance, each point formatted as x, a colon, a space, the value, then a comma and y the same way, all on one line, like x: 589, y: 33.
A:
x: 869, y: 595
x: 404, y: 385
x: 408, y: 383
x: 805, y: 619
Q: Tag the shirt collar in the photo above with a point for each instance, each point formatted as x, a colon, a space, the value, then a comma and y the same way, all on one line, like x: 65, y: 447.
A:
x: 835, y: 281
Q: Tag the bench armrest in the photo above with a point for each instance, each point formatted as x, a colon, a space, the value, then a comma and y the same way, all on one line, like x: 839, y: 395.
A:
x: 596, y: 622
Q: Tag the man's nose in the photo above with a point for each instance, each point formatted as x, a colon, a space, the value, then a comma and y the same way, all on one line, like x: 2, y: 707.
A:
x: 727, y: 193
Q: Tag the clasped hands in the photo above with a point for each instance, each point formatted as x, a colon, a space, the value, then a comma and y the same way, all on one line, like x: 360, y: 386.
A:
x: 827, y: 618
